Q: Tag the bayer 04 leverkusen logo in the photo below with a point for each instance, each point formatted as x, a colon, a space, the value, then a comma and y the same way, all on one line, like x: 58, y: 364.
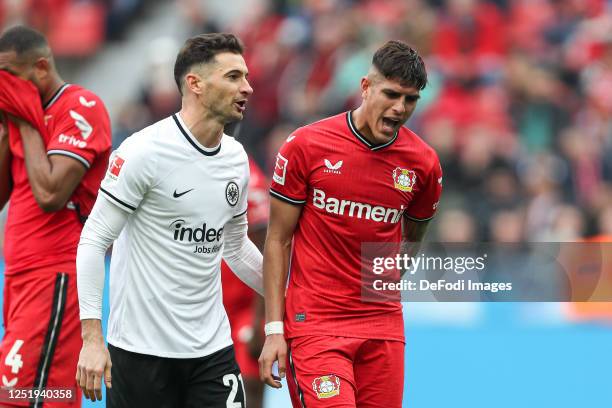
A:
x: 404, y: 179
x: 326, y: 386
x: 232, y: 193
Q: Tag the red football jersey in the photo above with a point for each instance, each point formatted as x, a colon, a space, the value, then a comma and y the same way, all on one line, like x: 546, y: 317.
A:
x: 352, y: 192
x: 237, y: 296
x: 78, y: 126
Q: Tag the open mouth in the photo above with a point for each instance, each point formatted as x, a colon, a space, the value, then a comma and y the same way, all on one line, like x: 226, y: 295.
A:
x: 390, y: 124
x: 241, y: 105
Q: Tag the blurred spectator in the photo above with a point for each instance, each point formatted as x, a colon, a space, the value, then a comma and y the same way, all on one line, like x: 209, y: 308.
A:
x: 568, y: 224
x: 159, y: 92
x: 455, y: 226
x: 158, y: 96
x: 470, y: 40
x: 507, y: 227
x: 60, y: 20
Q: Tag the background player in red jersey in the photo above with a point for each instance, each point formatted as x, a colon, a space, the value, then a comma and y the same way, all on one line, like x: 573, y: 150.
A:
x: 338, y: 183
x: 243, y: 306
x: 59, y: 140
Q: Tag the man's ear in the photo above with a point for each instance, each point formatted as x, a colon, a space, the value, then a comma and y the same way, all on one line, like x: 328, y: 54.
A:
x: 42, y: 67
x: 365, y: 87
x: 194, y: 83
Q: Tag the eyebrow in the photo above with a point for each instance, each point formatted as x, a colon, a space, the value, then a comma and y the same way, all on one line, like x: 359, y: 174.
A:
x: 237, y: 71
x: 393, y: 91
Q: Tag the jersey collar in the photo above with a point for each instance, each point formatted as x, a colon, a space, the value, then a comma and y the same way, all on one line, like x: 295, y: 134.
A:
x: 362, y: 139
x: 206, y: 151
x: 56, y: 96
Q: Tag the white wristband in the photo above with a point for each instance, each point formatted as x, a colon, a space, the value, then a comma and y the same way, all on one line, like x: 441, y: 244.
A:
x: 274, y: 328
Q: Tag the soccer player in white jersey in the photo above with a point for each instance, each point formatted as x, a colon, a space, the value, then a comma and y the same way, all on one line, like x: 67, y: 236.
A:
x: 174, y: 199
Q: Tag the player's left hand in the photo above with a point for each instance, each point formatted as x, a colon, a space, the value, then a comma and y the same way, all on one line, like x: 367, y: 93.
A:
x: 275, y: 349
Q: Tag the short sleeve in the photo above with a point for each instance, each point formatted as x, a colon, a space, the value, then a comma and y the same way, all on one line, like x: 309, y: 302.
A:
x: 82, y: 132
x: 425, y: 202
x: 129, y: 176
x: 290, y: 177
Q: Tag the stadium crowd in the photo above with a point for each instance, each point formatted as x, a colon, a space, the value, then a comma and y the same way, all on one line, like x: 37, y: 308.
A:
x: 518, y: 105
x: 95, y: 21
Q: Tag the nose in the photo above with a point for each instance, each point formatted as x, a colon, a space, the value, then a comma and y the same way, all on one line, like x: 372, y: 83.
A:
x: 399, y: 107
x: 246, y: 88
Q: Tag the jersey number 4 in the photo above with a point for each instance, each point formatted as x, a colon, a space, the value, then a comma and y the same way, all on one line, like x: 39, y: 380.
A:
x: 13, y: 359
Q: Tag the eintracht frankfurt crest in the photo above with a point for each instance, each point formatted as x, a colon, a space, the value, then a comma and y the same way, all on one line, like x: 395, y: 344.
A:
x: 326, y: 386
x: 232, y: 193
x: 404, y: 179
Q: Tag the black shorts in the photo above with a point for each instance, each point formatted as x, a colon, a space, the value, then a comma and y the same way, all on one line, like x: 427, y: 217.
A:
x: 140, y: 380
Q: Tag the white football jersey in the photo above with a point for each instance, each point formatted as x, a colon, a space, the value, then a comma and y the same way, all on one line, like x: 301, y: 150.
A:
x: 165, y: 282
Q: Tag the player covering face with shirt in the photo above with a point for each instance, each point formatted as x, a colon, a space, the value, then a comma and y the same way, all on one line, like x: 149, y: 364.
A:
x: 53, y: 154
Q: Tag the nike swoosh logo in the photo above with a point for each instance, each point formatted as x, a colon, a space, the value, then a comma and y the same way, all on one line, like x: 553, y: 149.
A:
x: 177, y: 195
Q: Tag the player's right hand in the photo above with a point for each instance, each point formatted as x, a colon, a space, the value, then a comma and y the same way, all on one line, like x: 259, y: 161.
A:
x: 94, y: 365
x: 274, y: 349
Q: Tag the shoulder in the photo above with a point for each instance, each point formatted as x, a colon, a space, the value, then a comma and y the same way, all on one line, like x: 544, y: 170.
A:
x: 77, y: 97
x: 145, y: 153
x: 319, y: 133
x: 232, y: 147
x: 323, y: 126
x: 160, y: 129
x: 413, y: 142
x: 133, y: 146
x: 147, y: 141
x: 81, y: 106
x: 84, y: 96
x: 134, y: 158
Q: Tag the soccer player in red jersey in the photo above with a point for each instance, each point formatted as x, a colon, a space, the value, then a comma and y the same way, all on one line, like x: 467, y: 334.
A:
x: 56, y: 166
x: 243, y: 306
x: 357, y: 177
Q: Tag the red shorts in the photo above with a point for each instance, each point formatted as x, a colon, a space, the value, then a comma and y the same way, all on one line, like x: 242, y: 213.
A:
x: 329, y: 371
x: 42, y: 338
x: 242, y: 332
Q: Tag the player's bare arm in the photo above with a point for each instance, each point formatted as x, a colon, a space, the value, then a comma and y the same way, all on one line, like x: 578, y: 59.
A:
x: 413, y: 233
x: 5, y: 163
x: 283, y: 220
x: 94, y: 361
x: 258, y: 237
x: 53, y: 178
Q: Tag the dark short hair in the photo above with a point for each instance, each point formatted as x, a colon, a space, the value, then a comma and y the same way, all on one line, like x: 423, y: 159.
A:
x: 397, y: 61
x: 22, y: 40
x: 202, y: 49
